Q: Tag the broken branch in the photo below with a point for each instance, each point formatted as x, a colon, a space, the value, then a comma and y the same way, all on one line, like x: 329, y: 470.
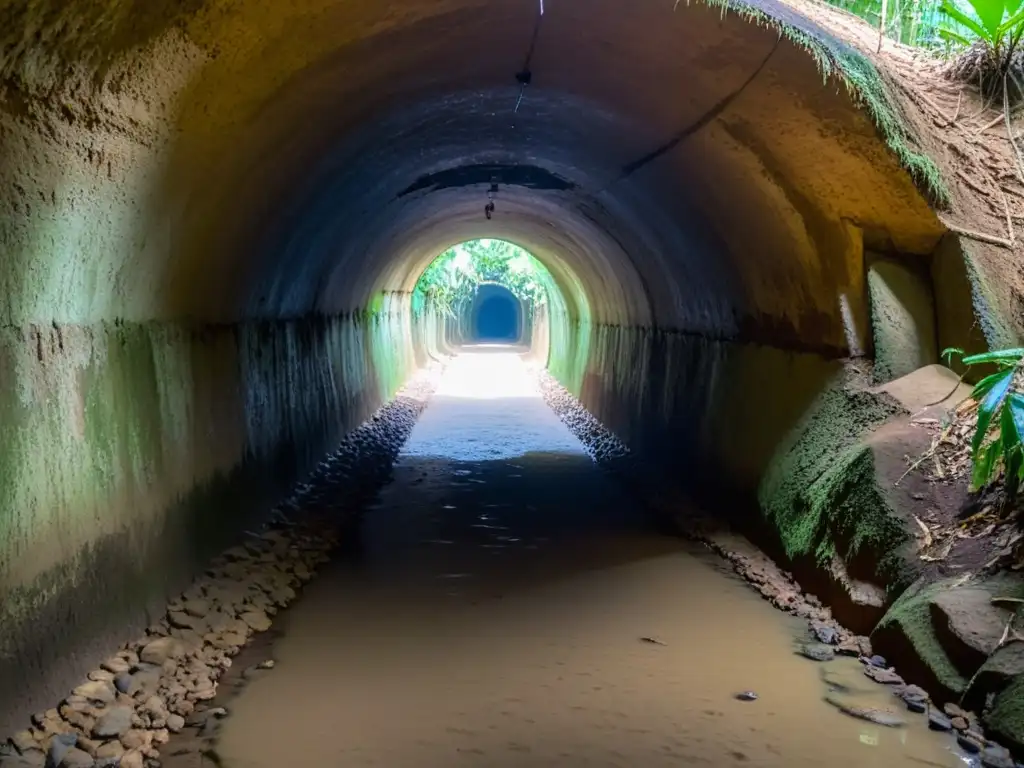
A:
x: 979, y: 236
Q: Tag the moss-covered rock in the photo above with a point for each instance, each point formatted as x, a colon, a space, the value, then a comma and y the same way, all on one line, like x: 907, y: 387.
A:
x: 995, y: 675
x: 946, y: 634
x: 969, y: 625
x: 824, y: 496
x: 906, y: 635
x: 820, y: 493
x: 1005, y: 720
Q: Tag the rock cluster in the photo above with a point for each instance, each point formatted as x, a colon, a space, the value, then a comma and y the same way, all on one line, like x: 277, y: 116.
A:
x: 128, y: 708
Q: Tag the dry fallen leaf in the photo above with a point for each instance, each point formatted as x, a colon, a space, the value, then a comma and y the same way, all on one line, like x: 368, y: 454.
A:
x: 927, y: 533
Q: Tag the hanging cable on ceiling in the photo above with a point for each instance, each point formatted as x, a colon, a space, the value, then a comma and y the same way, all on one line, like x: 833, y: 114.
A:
x: 705, y: 119
x: 525, y: 76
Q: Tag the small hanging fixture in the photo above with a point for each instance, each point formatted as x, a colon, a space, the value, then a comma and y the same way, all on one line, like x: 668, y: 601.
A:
x: 488, y: 209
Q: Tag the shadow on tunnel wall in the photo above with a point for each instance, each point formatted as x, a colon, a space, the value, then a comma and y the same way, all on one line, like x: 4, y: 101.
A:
x: 750, y: 433
x: 138, y: 452
x: 712, y: 413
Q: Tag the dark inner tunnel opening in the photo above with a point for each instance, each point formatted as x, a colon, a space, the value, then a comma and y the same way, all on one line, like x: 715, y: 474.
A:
x: 497, y: 315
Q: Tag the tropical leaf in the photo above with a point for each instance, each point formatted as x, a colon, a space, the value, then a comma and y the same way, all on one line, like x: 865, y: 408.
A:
x: 990, y: 405
x: 1008, y: 356
x: 1013, y: 418
x: 991, y: 13
x: 980, y: 29
x: 954, y: 37
x: 984, y: 467
x: 948, y: 352
x: 1012, y: 426
x: 1008, y: 26
x: 984, y: 386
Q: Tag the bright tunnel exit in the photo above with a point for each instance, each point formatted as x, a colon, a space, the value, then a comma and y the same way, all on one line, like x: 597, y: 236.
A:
x: 491, y: 291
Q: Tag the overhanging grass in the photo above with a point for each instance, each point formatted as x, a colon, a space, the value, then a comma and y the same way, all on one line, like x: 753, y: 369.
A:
x: 864, y: 84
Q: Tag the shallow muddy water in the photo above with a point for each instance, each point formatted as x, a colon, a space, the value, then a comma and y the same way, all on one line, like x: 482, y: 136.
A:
x: 493, y: 612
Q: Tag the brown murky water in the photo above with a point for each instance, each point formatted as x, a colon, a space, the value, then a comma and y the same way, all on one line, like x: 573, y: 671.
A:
x: 493, y: 612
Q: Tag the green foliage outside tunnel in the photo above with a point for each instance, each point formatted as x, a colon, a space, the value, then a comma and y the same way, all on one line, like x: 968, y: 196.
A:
x: 452, y: 278
x: 449, y: 284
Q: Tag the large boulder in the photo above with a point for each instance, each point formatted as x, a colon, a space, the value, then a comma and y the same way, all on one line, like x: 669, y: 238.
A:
x: 944, y: 635
x: 969, y: 625
x: 998, y: 672
x: 1005, y: 718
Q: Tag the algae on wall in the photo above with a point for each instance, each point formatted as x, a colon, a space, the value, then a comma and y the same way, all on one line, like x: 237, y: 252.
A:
x: 132, y: 452
x: 820, y: 491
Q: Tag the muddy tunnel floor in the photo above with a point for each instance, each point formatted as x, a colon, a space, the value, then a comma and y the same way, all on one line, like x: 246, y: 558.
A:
x: 506, y: 604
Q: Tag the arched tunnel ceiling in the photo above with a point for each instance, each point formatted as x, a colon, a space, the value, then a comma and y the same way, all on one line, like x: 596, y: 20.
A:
x: 291, y: 138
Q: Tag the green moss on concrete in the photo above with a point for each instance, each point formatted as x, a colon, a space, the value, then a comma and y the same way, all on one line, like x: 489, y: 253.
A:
x: 911, y: 617
x: 994, y: 308
x: 130, y: 452
x: 1006, y: 718
x: 902, y: 319
x: 865, y: 85
x: 821, y: 493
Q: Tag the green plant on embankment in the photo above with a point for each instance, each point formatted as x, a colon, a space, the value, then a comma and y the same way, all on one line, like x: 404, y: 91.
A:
x: 998, y: 26
x: 997, y: 444
x: 997, y: 23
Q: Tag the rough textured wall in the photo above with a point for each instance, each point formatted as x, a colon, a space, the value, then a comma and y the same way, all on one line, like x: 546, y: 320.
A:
x: 133, y: 452
x: 903, y: 318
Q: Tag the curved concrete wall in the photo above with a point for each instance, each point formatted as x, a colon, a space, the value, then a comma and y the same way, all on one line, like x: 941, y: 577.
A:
x: 212, y: 214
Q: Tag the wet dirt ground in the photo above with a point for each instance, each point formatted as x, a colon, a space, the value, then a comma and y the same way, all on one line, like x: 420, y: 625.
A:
x: 493, y: 613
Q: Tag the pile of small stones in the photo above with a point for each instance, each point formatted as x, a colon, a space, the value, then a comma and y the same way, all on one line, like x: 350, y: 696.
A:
x: 777, y: 586
x: 125, y: 711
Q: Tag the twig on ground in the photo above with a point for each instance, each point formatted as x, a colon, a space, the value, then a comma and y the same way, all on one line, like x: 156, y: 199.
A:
x: 927, y: 454
x: 927, y: 533
x: 952, y: 392
x: 971, y: 183
x: 994, y: 122
x: 1009, y: 131
x: 1012, y: 236
x: 979, y: 236
x: 881, y: 25
x: 956, y: 112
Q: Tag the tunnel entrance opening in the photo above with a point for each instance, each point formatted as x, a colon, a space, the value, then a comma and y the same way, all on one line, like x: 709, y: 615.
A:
x: 491, y: 291
x: 496, y: 315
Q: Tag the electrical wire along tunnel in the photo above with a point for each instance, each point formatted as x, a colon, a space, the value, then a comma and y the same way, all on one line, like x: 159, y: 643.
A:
x: 213, y: 218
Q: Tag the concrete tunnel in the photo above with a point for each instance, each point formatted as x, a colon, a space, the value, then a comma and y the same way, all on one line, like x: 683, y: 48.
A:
x: 212, y: 215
